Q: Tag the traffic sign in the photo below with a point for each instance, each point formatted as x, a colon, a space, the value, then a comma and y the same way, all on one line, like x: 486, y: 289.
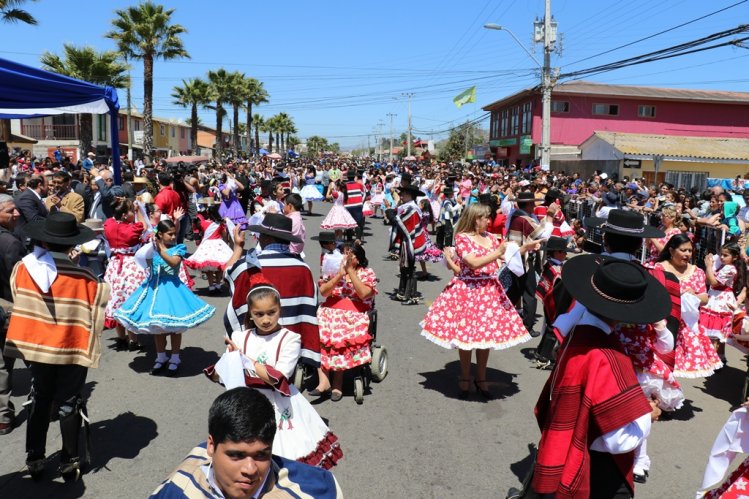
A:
x: 632, y: 163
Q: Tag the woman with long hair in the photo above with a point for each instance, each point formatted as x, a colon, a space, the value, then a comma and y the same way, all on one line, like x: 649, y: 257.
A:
x: 695, y: 354
x: 473, y: 312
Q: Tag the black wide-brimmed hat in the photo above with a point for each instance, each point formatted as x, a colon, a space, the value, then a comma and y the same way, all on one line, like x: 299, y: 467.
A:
x: 59, y: 228
x: 277, y: 226
x: 555, y: 243
x: 624, y: 223
x: 326, y: 236
x: 414, y: 191
x: 527, y: 196
x: 616, y: 289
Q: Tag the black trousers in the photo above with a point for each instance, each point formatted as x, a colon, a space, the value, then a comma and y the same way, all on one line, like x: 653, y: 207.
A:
x: 356, y: 212
x: 530, y: 301
x: 407, y: 284
x: 444, y: 237
x: 545, y: 349
x: 61, y: 386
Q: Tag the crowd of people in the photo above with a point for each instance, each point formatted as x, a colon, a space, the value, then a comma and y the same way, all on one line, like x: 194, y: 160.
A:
x: 658, y: 288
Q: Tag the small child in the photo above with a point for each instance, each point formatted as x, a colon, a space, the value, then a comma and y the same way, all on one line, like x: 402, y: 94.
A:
x: 163, y: 305
x: 95, y: 253
x: 266, y: 357
x: 432, y: 253
x: 213, y: 252
x: 556, y: 254
x: 726, y: 279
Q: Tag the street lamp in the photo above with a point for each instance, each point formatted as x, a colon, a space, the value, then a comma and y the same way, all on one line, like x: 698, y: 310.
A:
x: 545, y: 83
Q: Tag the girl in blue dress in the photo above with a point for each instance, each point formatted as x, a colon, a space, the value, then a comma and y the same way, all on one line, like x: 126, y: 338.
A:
x: 163, y: 305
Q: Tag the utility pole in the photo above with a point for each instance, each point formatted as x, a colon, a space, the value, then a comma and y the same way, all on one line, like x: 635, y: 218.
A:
x: 549, y: 37
x: 408, y: 146
x: 129, y: 118
x: 391, y: 115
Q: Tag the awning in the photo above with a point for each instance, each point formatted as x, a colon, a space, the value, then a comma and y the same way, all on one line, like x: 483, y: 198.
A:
x: 17, y: 138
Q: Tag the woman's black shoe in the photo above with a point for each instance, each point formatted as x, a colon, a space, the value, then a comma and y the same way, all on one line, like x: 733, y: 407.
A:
x: 484, y: 393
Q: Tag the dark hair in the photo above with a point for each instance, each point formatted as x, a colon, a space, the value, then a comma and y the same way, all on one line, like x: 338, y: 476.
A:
x: 242, y: 414
x: 64, y: 176
x: 121, y: 207
x: 673, y: 243
x: 360, y: 254
x: 258, y: 292
x: 294, y: 200
x: 213, y: 213
x: 624, y: 244
x: 151, y: 209
x: 735, y: 250
x: 164, y: 179
x: 34, y: 181
x: 165, y: 226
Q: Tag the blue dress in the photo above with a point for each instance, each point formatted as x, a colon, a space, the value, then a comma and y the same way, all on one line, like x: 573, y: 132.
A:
x: 162, y: 303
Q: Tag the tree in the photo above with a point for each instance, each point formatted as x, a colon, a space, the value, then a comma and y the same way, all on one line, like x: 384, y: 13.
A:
x: 285, y: 127
x: 10, y: 12
x: 335, y: 148
x: 269, y: 126
x: 221, y: 82
x: 292, y: 141
x: 146, y: 32
x: 85, y: 63
x: 259, y: 123
x: 193, y: 93
x: 316, y: 146
x: 237, y: 92
x: 461, y: 137
x: 254, y: 96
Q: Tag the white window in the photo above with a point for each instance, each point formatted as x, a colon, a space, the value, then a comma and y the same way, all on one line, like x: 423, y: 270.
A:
x: 646, y: 111
x: 606, y: 109
x: 558, y: 106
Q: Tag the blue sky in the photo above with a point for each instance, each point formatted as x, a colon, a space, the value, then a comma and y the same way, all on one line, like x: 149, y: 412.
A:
x: 338, y: 68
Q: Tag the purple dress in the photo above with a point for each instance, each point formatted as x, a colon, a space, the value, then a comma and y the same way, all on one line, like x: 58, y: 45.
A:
x: 231, y: 208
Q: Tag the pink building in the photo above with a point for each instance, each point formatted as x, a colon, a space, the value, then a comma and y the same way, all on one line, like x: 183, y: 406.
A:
x: 580, y: 108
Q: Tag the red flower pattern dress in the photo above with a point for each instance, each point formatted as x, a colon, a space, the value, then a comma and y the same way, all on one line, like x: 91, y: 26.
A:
x: 344, y: 323
x: 695, y: 355
x: 655, y: 377
x: 717, y: 315
x: 473, y: 310
x: 653, y: 251
x: 123, y: 275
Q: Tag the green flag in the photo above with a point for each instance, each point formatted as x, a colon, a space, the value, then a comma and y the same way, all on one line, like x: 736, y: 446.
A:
x: 465, y: 97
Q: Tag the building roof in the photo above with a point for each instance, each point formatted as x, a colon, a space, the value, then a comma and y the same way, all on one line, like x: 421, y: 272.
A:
x: 675, y: 146
x: 630, y: 91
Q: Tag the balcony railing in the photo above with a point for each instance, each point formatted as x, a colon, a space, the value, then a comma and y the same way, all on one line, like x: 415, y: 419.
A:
x: 50, y: 132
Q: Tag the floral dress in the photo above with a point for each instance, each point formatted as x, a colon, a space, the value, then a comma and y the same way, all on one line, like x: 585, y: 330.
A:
x: 344, y: 323
x: 432, y: 253
x: 473, y: 310
x: 695, y: 355
x: 123, y: 275
x: 717, y: 315
x: 653, y: 252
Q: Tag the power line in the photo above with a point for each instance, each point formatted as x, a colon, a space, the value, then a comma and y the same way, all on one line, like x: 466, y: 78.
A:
x: 659, y: 33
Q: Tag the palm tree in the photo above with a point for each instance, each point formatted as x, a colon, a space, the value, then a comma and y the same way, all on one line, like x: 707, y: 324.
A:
x: 269, y: 126
x: 193, y: 93
x: 221, y: 82
x: 316, y: 145
x: 286, y: 127
x: 11, y: 13
x: 236, y: 97
x: 254, y: 96
x: 146, y: 32
x: 259, y: 123
x: 85, y: 63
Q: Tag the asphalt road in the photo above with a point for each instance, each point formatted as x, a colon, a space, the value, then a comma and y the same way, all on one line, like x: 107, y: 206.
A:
x: 411, y: 438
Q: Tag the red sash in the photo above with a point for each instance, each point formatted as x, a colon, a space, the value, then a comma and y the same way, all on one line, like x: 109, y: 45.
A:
x: 341, y: 303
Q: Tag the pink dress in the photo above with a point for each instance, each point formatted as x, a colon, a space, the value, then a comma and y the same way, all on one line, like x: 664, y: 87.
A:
x: 212, y: 253
x: 695, y: 355
x: 473, y: 310
x: 432, y: 253
x: 344, y: 324
x: 338, y: 217
x: 717, y: 315
x: 653, y: 252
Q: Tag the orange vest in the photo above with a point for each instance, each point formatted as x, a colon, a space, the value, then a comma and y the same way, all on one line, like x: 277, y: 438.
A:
x: 61, y: 326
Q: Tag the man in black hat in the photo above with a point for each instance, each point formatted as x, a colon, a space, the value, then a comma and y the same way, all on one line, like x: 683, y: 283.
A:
x: 353, y: 201
x: 449, y: 214
x: 287, y: 272
x: 587, y: 448
x: 66, y: 303
x: 408, y: 240
x: 524, y: 226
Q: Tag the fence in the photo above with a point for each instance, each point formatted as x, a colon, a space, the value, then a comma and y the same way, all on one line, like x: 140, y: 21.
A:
x: 706, y: 239
x: 50, y: 132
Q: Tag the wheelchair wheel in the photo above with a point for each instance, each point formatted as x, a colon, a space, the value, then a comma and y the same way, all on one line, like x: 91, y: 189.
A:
x: 379, y: 364
x: 359, y: 390
x: 299, y: 378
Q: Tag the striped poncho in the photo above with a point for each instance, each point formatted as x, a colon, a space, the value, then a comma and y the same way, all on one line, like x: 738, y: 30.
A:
x: 61, y: 326
x: 298, y: 289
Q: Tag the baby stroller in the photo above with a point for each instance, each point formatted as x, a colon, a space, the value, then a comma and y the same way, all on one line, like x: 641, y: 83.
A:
x: 375, y: 371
